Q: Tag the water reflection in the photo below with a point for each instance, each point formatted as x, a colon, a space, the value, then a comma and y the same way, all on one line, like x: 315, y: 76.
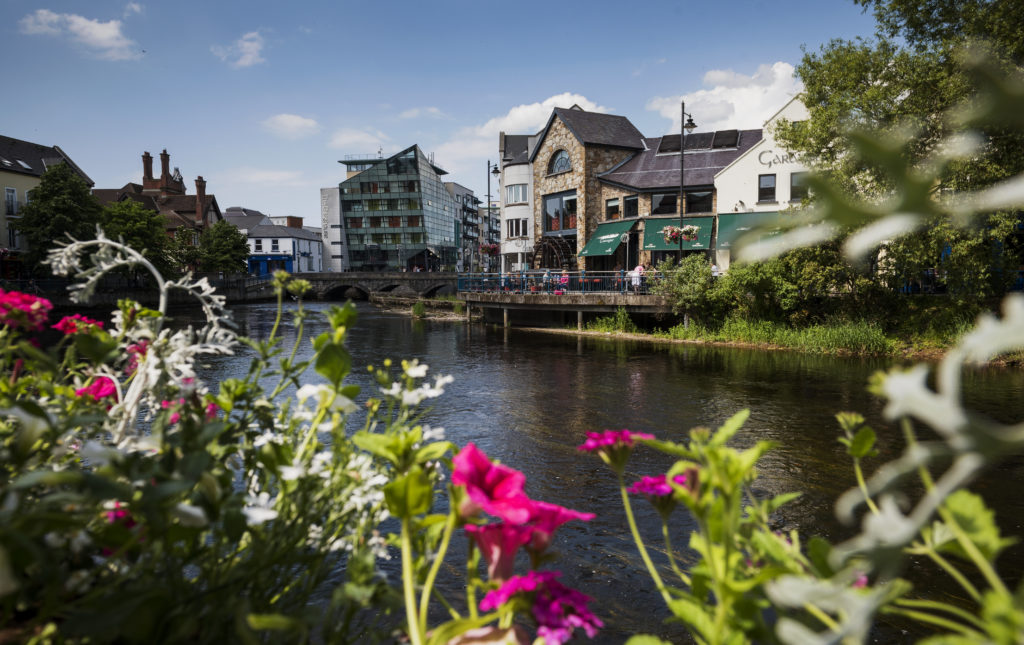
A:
x: 527, y: 399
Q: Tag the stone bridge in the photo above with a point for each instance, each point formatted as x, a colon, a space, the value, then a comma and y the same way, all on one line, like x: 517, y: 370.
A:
x: 337, y: 286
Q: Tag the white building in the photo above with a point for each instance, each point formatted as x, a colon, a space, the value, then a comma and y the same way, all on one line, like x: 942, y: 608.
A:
x: 287, y: 246
x: 757, y: 185
x: 332, y: 232
x: 516, y: 200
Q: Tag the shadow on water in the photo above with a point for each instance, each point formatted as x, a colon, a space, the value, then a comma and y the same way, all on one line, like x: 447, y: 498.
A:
x: 528, y: 398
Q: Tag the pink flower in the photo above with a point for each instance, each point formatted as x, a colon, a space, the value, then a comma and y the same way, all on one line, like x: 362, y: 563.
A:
x: 136, y: 351
x: 656, y: 486
x: 175, y: 416
x: 861, y: 582
x: 73, y: 324
x: 211, y: 411
x: 557, y: 609
x: 613, y: 446
x: 490, y: 487
x: 611, y: 439
x: 23, y: 310
x: 101, y: 387
x: 118, y: 516
x: 499, y: 544
x: 545, y: 519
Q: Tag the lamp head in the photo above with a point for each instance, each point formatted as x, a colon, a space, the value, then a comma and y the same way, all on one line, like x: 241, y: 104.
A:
x: 689, y: 125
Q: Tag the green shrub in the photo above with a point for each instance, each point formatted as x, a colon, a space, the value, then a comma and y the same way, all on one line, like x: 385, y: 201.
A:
x: 419, y: 310
x: 619, y: 323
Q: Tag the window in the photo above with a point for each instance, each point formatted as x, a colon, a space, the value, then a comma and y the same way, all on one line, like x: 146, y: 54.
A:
x: 415, y: 220
x: 376, y: 222
x: 560, y: 211
x: 798, y: 186
x: 559, y: 163
x: 517, y: 228
x: 355, y: 222
x: 274, y: 247
x: 515, y: 194
x: 257, y: 245
x: 631, y: 207
x: 352, y: 205
x: 699, y: 202
x: 611, y: 209
x: 663, y: 203
x: 11, y: 201
x: 766, y: 188
x: 394, y: 222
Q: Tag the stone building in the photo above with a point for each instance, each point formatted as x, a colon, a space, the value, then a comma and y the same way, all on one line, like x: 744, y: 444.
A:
x: 571, y: 151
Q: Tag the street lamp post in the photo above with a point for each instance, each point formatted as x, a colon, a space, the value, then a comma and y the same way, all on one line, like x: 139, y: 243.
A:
x: 686, y: 124
x: 492, y: 169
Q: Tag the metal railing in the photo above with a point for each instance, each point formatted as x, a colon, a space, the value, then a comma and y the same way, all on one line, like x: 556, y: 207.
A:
x: 558, y: 283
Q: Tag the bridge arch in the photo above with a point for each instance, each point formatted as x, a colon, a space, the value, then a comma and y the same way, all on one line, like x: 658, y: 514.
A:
x: 340, y: 292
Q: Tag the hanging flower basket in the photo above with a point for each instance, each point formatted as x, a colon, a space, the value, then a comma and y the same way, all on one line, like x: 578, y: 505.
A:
x: 489, y: 249
x: 673, y: 234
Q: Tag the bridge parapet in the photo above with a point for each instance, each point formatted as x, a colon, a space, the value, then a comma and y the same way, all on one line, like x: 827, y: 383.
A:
x: 327, y: 284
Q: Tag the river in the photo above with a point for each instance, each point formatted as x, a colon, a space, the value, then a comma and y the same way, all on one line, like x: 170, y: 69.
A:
x: 527, y: 398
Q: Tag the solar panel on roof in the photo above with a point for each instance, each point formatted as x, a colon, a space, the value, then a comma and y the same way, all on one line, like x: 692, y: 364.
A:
x: 726, y: 139
x: 699, y: 140
x: 669, y: 143
x: 24, y: 165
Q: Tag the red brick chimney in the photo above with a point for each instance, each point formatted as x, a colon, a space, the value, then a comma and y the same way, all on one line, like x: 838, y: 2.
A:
x: 200, y: 199
x: 165, y: 168
x: 147, y: 166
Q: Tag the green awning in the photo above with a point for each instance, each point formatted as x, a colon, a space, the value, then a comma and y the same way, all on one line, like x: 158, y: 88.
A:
x: 606, y: 238
x: 733, y: 226
x: 655, y: 241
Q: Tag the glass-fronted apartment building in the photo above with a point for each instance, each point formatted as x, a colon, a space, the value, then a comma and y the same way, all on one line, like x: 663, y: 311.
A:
x: 397, y: 214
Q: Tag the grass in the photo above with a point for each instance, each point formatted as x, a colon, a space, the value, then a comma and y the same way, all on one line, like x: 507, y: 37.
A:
x: 619, y: 323
x: 419, y: 310
x: 839, y: 338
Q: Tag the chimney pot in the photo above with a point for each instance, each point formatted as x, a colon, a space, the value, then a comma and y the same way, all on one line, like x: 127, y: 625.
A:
x: 147, y: 166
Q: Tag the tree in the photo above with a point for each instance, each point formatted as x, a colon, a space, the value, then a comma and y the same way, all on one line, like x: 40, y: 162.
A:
x: 142, y: 229
x: 60, y: 206
x: 183, y: 250
x: 905, y: 82
x: 222, y: 247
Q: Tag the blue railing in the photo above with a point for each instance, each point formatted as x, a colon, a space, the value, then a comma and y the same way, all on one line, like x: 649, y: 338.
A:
x: 557, y: 282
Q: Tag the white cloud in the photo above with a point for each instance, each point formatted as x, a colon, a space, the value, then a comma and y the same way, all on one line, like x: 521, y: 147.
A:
x: 413, y: 113
x: 470, y: 147
x: 244, y: 52
x: 291, y: 126
x: 132, y: 8
x: 731, y: 99
x: 104, y: 39
x: 358, y: 141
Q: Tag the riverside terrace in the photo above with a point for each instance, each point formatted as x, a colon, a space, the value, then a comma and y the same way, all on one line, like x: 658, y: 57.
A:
x: 538, y: 298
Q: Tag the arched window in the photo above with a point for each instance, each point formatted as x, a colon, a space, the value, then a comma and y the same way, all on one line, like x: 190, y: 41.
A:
x: 560, y: 162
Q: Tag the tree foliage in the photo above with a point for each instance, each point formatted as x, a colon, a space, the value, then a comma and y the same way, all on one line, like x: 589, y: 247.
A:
x: 222, y: 247
x: 60, y: 206
x: 142, y: 229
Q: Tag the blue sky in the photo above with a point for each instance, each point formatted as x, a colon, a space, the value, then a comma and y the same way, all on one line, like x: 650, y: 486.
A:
x: 263, y: 98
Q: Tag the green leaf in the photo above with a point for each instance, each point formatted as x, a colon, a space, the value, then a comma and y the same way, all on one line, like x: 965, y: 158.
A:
x: 646, y: 639
x: 730, y: 428
x: 978, y: 522
x: 381, y: 445
x: 694, y: 616
x: 818, y: 550
x: 275, y: 622
x: 342, y: 316
x: 863, y: 444
x: 334, y: 363
x: 98, y: 347
x: 47, y: 478
x: 409, y: 494
x: 432, y: 451
x: 453, y: 628
x: 779, y: 501
x: 669, y: 448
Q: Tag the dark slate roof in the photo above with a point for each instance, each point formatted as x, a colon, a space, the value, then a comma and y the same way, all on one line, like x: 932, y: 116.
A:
x: 517, y: 149
x: 27, y: 158
x: 594, y: 128
x: 246, y: 222
x: 179, y: 210
x: 657, y: 167
x: 282, y: 231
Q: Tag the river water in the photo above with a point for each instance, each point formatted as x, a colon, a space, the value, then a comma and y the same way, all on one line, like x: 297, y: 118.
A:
x: 527, y: 398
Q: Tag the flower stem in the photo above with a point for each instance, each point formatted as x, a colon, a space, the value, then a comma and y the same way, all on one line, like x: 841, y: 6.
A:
x: 428, y: 584
x: 671, y: 558
x: 640, y: 543
x: 415, y: 637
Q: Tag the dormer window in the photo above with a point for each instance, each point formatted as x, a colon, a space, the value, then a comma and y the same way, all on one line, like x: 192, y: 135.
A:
x: 560, y: 163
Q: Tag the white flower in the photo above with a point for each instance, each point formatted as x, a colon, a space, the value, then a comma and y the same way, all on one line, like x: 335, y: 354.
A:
x: 79, y: 541
x: 433, y: 434
x: 54, y: 540
x: 189, y: 515
x: 259, y: 509
x: 268, y: 437
x: 413, y: 369
x: 98, y: 454
x: 291, y: 473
